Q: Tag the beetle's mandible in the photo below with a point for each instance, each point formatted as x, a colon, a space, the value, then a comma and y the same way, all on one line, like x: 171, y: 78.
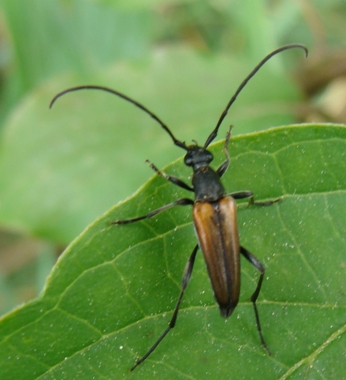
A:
x: 214, y: 214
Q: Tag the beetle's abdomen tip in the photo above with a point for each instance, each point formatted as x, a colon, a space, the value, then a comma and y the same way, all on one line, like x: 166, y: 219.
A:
x: 226, y: 311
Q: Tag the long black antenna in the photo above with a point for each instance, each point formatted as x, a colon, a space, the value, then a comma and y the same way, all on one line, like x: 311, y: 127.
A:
x: 139, y: 105
x: 177, y: 142
x: 243, y: 84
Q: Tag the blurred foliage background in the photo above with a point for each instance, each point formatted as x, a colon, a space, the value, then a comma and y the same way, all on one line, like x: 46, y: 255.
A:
x: 60, y: 169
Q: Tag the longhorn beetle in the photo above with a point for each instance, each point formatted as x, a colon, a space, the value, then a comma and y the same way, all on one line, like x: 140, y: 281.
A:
x: 214, y: 213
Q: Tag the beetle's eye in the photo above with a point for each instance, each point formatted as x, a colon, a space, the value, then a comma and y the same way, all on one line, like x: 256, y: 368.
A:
x: 208, y: 156
x: 188, y: 159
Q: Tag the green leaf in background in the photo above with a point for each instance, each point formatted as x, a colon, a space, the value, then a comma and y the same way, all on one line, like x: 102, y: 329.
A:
x: 61, y: 168
x: 112, y: 292
x: 50, y: 37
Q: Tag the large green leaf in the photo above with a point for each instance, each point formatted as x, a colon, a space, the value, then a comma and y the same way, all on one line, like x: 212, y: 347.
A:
x: 112, y: 292
x: 61, y: 168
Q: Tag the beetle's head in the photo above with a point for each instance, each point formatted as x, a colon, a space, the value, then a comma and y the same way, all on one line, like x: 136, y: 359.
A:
x: 197, y: 156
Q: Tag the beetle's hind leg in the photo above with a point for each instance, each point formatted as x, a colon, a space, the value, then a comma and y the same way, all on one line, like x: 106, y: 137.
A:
x: 257, y: 264
x: 185, y: 281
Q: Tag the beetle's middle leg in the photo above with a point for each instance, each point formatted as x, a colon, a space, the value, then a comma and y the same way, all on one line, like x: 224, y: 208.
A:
x: 185, y: 281
x: 250, y: 195
x: 179, y: 202
x: 257, y: 264
x: 239, y: 194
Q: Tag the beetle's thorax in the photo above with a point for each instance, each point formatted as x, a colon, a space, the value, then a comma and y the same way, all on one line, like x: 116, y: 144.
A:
x: 206, y: 182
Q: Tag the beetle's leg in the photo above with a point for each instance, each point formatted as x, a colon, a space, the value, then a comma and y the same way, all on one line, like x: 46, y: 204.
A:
x: 174, y: 180
x: 257, y: 264
x: 179, y: 202
x: 243, y: 194
x: 250, y: 195
x: 186, y: 278
x: 224, y: 166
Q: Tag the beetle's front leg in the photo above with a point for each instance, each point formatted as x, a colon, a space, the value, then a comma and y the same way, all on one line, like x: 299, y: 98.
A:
x: 224, y: 166
x: 174, y: 180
